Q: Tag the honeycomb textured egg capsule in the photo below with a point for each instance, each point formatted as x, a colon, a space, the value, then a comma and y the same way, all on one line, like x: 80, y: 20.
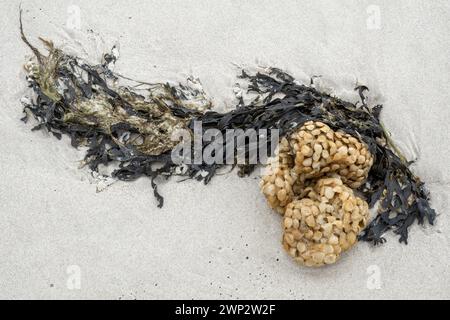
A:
x: 310, y: 181
x: 312, y: 152
x: 319, y: 227
x: 319, y: 151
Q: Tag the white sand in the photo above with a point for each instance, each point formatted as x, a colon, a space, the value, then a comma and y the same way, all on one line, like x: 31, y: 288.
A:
x: 197, y: 246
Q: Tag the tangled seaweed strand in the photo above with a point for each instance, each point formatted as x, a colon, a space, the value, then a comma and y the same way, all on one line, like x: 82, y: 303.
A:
x: 67, y: 88
x: 404, y: 198
x: 115, y: 123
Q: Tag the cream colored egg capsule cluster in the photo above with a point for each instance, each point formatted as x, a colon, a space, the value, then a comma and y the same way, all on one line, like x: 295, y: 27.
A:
x: 312, y: 152
x: 318, y: 228
x: 310, y: 181
x: 319, y: 151
x: 277, y: 183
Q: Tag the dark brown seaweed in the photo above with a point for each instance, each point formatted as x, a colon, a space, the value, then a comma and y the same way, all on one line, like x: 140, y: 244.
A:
x: 280, y: 103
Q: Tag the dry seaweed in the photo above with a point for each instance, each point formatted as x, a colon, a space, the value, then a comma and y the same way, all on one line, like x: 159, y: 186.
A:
x: 119, y: 124
x: 404, y: 198
x: 115, y: 123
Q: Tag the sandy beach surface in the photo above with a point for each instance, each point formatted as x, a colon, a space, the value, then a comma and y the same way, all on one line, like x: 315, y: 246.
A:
x: 59, y: 238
